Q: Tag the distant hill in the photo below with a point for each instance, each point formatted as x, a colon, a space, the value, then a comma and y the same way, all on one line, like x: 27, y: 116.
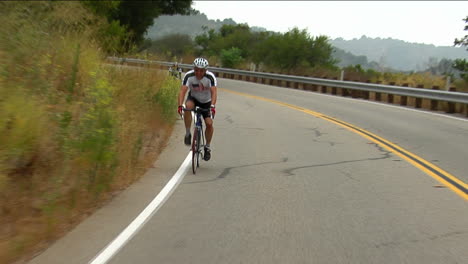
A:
x: 187, y: 25
x: 399, y: 54
x: 368, y: 52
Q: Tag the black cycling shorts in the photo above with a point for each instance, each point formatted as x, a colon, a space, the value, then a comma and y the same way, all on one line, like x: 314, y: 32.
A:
x: 205, y: 114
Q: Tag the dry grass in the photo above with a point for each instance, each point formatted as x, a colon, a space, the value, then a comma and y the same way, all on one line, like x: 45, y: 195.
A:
x: 72, y: 132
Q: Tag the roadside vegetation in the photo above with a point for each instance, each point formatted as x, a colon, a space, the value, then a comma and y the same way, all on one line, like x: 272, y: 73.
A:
x: 73, y: 131
x: 295, y: 52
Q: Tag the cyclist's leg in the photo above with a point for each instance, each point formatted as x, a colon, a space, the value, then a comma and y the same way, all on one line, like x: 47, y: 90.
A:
x: 209, y: 130
x: 208, y: 122
x: 208, y: 135
x: 189, y: 104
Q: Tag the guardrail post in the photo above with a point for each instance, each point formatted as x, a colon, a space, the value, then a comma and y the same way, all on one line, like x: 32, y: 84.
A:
x: 371, y: 94
x: 313, y: 88
x: 384, y: 97
x: 279, y: 83
x: 276, y: 82
x: 418, y: 101
x: 434, y: 103
x: 305, y: 86
x: 378, y: 96
x: 296, y: 85
x: 355, y: 93
x: 426, y: 103
x: 365, y: 94
x: 404, y: 99
x: 323, y: 88
x: 451, y: 107
x: 345, y: 91
x: 333, y: 89
x: 390, y: 96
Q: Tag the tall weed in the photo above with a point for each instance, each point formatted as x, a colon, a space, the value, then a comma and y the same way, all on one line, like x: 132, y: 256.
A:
x: 71, y: 129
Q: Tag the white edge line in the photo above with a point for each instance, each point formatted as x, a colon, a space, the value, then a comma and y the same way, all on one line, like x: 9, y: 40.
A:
x: 112, y: 248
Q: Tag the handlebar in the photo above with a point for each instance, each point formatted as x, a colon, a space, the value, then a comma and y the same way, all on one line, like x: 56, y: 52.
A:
x: 197, y: 110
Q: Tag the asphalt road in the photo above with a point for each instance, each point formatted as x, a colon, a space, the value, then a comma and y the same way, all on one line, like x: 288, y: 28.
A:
x: 284, y: 186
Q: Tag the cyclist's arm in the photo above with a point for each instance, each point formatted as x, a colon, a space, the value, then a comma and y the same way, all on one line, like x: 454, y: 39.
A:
x: 183, y: 91
x: 214, y: 95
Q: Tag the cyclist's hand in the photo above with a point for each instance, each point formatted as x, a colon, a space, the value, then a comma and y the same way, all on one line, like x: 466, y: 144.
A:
x: 180, y: 110
x: 213, y: 111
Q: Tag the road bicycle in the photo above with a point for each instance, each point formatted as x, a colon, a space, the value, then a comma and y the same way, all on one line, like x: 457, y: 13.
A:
x: 177, y: 73
x: 198, y: 140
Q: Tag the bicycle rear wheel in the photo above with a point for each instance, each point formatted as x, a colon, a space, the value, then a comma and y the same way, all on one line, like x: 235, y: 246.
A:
x: 199, y: 136
x: 195, y: 151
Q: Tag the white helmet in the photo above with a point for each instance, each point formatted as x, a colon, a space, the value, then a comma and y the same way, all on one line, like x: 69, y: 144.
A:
x: 200, y: 63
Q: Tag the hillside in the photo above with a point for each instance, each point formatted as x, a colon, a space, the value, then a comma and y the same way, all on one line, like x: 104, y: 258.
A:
x: 398, y: 54
x: 188, y: 25
x: 370, y: 53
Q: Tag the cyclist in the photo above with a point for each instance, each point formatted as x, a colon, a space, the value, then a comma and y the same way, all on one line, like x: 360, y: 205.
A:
x: 201, y: 85
x: 179, y: 70
x: 175, y: 70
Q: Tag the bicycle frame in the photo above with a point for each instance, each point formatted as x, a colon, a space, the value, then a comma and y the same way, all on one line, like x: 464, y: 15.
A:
x: 198, y: 137
x: 199, y: 124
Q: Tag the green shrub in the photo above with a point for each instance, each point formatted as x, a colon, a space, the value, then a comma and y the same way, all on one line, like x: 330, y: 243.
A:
x: 231, y: 58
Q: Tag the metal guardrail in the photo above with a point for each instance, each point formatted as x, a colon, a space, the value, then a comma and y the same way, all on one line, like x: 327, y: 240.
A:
x: 446, y: 96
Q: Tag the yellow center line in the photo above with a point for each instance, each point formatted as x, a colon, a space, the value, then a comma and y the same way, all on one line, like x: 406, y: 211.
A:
x: 447, y: 179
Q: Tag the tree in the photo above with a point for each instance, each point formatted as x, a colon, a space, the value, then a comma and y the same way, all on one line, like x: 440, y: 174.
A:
x: 295, y: 49
x: 462, y: 64
x: 231, y: 58
x: 322, y: 52
x: 173, y: 45
x: 463, y: 41
x: 137, y: 16
x: 229, y: 36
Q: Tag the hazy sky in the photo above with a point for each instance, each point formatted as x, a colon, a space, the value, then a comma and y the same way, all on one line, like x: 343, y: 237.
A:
x: 429, y: 22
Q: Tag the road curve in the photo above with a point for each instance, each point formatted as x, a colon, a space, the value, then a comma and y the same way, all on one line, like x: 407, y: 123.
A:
x: 285, y: 186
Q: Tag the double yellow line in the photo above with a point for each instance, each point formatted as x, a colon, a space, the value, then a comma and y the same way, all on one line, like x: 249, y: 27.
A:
x: 447, y: 179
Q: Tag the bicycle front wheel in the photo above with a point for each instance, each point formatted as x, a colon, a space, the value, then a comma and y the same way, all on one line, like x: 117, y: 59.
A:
x: 199, y: 136
x: 195, y: 151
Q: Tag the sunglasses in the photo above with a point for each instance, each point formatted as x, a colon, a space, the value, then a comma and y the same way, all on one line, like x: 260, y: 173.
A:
x: 199, y: 70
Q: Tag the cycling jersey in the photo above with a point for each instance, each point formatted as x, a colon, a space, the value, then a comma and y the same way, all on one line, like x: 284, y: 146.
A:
x: 200, y: 89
